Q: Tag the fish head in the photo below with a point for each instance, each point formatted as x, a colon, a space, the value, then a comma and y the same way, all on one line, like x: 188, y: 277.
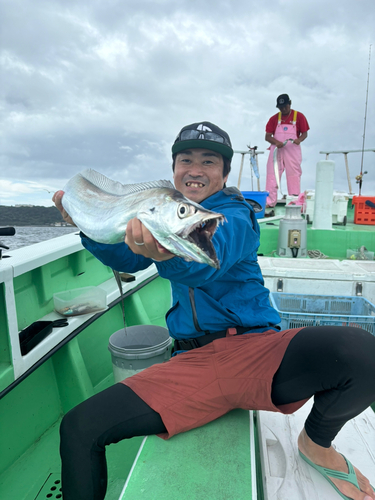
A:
x: 182, y: 226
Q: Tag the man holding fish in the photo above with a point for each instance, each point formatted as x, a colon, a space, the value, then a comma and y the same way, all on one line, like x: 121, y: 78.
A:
x: 285, y: 131
x: 228, y: 350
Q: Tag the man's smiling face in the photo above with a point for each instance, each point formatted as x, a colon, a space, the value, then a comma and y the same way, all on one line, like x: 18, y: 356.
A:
x: 198, y: 173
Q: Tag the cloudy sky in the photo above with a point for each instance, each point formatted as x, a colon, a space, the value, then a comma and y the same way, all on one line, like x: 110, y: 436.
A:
x: 107, y: 84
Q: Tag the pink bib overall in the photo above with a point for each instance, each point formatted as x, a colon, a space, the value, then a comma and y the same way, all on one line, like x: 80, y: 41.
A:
x: 289, y: 158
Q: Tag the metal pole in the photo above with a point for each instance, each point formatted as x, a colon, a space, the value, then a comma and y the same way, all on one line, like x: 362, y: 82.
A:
x: 241, y: 167
x: 258, y: 179
x: 364, y: 126
x: 347, y: 173
x: 252, y: 174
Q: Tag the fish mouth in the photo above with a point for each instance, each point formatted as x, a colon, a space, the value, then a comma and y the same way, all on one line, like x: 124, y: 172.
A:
x: 201, y: 233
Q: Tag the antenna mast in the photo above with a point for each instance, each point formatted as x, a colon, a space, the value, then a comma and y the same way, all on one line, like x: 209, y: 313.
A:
x: 364, y: 127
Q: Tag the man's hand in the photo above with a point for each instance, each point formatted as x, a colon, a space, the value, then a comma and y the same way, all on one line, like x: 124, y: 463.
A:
x: 300, y: 139
x: 275, y: 142
x: 56, y: 198
x: 140, y: 241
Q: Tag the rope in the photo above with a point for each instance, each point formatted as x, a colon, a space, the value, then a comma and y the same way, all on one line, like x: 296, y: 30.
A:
x: 316, y: 254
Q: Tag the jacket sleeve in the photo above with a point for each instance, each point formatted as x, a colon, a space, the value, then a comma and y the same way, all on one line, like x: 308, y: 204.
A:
x: 233, y: 242
x: 117, y: 256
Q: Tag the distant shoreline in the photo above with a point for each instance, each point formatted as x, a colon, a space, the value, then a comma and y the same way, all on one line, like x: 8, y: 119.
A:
x: 36, y: 225
x: 30, y: 216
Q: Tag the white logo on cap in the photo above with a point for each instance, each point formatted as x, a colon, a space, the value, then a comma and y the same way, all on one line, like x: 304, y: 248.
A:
x: 203, y: 128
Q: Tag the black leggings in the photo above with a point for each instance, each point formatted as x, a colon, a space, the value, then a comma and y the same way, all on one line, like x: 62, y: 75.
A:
x: 335, y: 364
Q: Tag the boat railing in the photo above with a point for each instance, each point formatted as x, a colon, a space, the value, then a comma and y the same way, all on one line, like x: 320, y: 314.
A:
x: 345, y: 153
x: 38, y: 265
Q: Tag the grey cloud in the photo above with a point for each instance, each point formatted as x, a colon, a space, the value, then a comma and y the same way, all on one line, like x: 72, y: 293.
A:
x: 108, y: 84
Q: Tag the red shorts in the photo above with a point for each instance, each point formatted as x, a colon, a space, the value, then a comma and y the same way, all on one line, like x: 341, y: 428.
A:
x: 198, y: 386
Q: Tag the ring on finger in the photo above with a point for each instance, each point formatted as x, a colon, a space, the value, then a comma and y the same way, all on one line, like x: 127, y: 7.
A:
x: 139, y: 244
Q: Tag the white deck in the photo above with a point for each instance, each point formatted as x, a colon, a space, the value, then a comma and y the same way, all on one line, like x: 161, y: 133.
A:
x: 287, y: 476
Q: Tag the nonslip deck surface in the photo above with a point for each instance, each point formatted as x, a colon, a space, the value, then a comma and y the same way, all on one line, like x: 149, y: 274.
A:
x: 287, y: 476
x: 211, y: 462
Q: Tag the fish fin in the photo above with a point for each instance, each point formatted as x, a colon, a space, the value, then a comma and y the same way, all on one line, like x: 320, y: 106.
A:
x: 114, y: 187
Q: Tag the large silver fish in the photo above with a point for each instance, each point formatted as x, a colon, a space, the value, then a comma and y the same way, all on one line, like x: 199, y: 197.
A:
x: 101, y: 208
x: 276, y: 165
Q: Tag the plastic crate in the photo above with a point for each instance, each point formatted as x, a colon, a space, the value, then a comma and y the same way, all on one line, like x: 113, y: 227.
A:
x: 358, y: 255
x: 364, y: 213
x: 299, y: 310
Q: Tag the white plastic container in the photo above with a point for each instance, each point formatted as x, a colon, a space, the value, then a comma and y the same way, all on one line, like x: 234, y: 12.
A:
x: 359, y: 255
x: 339, y: 206
x: 79, y: 301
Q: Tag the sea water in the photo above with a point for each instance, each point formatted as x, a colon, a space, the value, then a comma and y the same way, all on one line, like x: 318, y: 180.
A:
x: 28, y: 235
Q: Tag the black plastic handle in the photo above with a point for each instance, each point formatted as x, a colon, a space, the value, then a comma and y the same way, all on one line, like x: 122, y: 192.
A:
x: 7, y: 231
x: 59, y: 323
x: 36, y: 332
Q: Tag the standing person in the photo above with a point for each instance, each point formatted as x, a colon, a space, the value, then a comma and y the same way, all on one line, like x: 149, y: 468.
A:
x: 228, y: 351
x: 284, y: 125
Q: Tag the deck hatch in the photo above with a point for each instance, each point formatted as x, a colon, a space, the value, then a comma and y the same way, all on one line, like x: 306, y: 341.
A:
x: 51, y: 489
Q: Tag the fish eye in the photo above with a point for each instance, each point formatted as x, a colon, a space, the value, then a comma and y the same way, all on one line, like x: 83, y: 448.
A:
x: 183, y: 210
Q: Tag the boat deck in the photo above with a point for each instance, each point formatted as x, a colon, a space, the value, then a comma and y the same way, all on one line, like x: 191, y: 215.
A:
x: 287, y: 476
x: 73, y: 363
x: 216, y: 461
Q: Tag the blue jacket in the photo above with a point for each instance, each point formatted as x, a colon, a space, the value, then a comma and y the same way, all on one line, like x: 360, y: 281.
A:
x: 233, y: 295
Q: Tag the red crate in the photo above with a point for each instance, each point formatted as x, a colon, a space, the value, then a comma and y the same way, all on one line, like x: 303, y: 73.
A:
x: 364, y: 214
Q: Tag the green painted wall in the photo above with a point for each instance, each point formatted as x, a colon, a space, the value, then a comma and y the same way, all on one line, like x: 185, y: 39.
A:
x: 30, y: 414
x: 332, y: 243
x: 27, y: 412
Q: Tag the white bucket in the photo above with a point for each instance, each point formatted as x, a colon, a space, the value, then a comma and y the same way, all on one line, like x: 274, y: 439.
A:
x: 138, y: 348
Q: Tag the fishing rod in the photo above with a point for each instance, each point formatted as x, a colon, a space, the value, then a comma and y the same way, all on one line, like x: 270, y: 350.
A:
x: 360, y: 176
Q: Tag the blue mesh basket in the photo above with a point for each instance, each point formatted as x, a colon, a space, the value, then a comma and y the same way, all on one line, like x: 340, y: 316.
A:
x: 299, y: 310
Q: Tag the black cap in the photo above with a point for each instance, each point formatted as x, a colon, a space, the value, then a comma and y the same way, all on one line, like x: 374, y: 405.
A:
x: 203, y: 135
x: 282, y: 100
